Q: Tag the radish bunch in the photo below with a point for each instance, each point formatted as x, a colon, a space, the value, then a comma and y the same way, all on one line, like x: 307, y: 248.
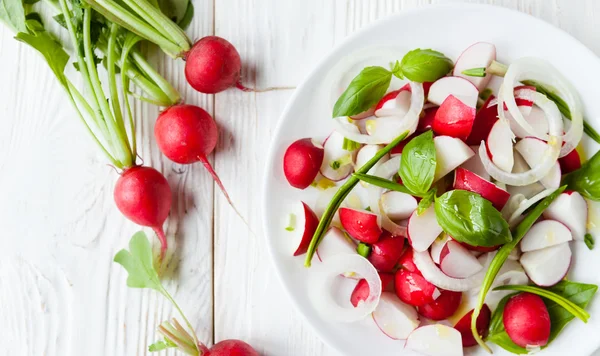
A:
x: 458, y: 196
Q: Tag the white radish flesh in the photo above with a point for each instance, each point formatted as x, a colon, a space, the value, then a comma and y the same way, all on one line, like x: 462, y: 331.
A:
x: 547, y: 266
x: 398, y: 107
x: 334, y: 152
x: 532, y: 151
x: 546, y: 233
x: 335, y: 242
x: 367, y: 152
x: 474, y: 165
x: 437, y: 246
x: 395, y: 318
x: 397, y: 205
x: 527, y: 191
x: 478, y: 55
x: 435, y: 340
x: 535, y: 117
x: 459, y: 87
x: 570, y: 209
x: 456, y: 261
x: 500, y: 145
x: 423, y: 229
x: 450, y: 153
x: 435, y: 276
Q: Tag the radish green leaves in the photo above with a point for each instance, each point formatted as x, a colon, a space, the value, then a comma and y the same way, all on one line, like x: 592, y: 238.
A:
x: 13, y: 14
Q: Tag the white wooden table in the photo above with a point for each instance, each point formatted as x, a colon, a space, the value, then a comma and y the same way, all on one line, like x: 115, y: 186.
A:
x: 60, y: 292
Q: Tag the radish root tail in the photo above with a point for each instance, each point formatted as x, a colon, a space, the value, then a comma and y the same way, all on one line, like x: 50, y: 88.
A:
x: 163, y: 241
x: 241, y: 87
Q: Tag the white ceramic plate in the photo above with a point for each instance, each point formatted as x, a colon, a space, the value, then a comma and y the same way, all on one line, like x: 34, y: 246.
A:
x: 449, y: 29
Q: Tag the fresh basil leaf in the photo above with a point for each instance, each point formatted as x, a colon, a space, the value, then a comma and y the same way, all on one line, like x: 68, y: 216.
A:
x: 365, y: 90
x: 562, y: 107
x: 12, y: 14
x: 418, y: 161
x: 586, y: 180
x: 425, y: 65
x: 471, y: 219
x: 139, y: 263
x: 162, y: 345
x: 426, y: 201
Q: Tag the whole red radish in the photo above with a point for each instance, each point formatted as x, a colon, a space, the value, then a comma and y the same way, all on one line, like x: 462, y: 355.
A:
x: 187, y: 134
x: 526, y: 320
x: 386, y: 252
x: 231, y: 348
x: 442, y: 307
x: 413, y: 289
x: 483, y: 323
x: 301, y: 162
x: 143, y: 195
x: 212, y: 65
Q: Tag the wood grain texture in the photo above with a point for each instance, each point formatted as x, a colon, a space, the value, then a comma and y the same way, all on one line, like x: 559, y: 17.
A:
x: 60, y: 292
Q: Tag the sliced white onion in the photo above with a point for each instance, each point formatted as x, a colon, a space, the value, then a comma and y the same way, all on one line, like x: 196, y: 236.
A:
x: 550, y: 155
x: 390, y: 126
x: 320, y: 288
x: 543, y: 72
x: 434, y: 275
x: 526, y: 204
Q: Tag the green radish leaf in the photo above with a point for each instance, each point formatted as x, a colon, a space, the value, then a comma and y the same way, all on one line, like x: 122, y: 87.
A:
x: 471, y: 219
x: 426, y: 201
x: 365, y: 90
x: 562, y: 107
x: 12, y: 14
x: 586, y: 180
x: 186, y: 20
x: 162, y: 345
x: 138, y: 262
x: 425, y: 65
x: 418, y: 161
x: 174, y: 9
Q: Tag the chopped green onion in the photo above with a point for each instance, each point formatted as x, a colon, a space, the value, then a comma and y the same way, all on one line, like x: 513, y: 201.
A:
x: 589, y: 241
x: 342, y: 161
x: 363, y: 250
x: 368, y: 208
x: 474, y: 72
x: 350, y: 145
x: 291, y: 222
x: 383, y: 183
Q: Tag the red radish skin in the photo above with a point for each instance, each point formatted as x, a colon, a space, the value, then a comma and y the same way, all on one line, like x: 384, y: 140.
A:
x: 311, y: 221
x: 400, y: 147
x: 483, y: 323
x: 361, y: 291
x: 526, y: 320
x: 231, y: 348
x: 386, y: 252
x: 467, y: 180
x: 187, y: 134
x: 454, y: 118
x: 484, y: 120
x: 361, y: 225
x: 406, y: 261
x: 387, y: 97
x: 482, y: 249
x: 301, y: 163
x: 570, y: 162
x: 443, y: 307
x: 143, y: 195
x: 213, y: 65
x: 426, y: 122
x: 413, y: 289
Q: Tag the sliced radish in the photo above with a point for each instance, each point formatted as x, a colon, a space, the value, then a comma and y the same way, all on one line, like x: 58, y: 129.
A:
x: 529, y: 190
x: 423, y: 229
x: 437, y: 246
x: 367, y: 152
x: 433, y: 274
x: 456, y: 261
x: 450, y: 153
x: 474, y: 165
x: 397, y: 205
x: 335, y: 242
x: 535, y: 117
x: 386, y: 252
x: 361, y: 291
x: 570, y: 162
x: 464, y: 326
x: 426, y: 121
x: 454, y: 118
x: 478, y: 55
x: 361, y: 224
x: 306, y: 223
x: 435, y: 340
x: 532, y: 150
x: 544, y: 234
x: 397, y: 105
x: 459, y: 87
x: 406, y: 261
x: 500, y: 145
x: 337, y: 162
x: 323, y: 277
x: 548, y: 266
x: 301, y: 162
x: 363, y: 115
x: 570, y: 209
x: 394, y: 318
x: 465, y: 180
x: 442, y: 307
x: 484, y: 121
x: 412, y: 288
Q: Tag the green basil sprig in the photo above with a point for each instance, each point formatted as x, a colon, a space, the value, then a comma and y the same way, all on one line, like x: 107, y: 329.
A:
x: 371, y: 84
x: 471, y: 219
x: 502, y: 255
x: 564, y: 301
x: 418, y: 161
x: 586, y: 180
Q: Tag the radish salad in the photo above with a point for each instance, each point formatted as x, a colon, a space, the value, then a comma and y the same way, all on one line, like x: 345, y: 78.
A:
x: 448, y: 205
